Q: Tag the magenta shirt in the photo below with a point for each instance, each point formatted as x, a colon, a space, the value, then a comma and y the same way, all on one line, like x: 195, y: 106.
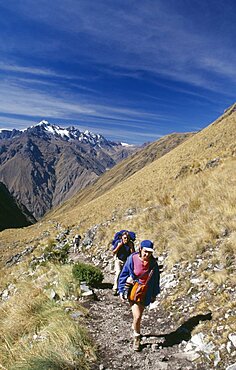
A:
x: 140, y: 269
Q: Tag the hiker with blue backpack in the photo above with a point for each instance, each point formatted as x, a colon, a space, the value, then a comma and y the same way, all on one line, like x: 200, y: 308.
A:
x: 123, y: 247
x: 139, y: 282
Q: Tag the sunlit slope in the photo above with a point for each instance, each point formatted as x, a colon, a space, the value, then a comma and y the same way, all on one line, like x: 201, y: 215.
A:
x: 164, y: 174
x: 127, y: 168
x: 10, y: 241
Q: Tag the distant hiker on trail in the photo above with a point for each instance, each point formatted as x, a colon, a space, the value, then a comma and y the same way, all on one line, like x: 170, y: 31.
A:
x: 142, y: 272
x: 122, y: 249
x: 76, y: 243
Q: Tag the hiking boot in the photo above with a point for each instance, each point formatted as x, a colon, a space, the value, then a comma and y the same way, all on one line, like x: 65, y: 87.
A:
x: 136, y: 344
x: 115, y: 292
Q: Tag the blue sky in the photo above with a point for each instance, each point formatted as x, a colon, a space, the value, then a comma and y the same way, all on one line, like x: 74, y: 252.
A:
x: 130, y: 70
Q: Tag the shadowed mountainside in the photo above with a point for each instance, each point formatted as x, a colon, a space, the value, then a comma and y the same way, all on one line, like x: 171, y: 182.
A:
x: 11, y: 215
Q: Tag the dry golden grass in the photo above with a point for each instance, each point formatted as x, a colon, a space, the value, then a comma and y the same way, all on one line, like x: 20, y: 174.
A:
x: 127, y: 168
x: 153, y: 184
x: 36, y: 332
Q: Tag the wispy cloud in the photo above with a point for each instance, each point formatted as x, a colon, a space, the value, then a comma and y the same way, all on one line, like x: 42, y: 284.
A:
x: 28, y: 70
x: 10, y: 123
x: 27, y: 102
x: 20, y: 70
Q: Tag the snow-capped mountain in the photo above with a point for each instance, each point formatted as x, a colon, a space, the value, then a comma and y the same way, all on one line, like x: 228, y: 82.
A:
x: 70, y: 133
x: 46, y: 164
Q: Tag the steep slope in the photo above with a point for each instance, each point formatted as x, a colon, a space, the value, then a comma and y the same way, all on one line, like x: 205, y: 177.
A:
x: 127, y: 168
x: 11, y: 216
x: 46, y: 164
x: 167, y: 172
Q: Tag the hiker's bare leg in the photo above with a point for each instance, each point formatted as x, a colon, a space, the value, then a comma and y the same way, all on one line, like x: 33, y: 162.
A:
x: 118, y: 267
x: 137, y: 311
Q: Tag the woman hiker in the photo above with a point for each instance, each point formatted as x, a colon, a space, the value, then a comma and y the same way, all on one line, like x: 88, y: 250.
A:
x: 142, y: 268
x: 122, y: 249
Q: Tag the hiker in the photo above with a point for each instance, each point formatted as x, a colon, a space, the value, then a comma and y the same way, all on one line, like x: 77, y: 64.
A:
x: 118, y: 236
x: 122, y: 249
x: 140, y: 267
x: 76, y: 243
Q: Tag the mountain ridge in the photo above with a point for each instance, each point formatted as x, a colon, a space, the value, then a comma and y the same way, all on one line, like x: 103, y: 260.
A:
x: 67, y: 133
x: 45, y: 164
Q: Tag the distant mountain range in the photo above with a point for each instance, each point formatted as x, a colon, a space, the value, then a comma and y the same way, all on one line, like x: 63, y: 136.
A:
x: 46, y: 164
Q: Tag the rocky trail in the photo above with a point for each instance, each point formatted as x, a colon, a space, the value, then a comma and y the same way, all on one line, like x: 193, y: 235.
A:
x: 169, y: 340
x: 109, y: 322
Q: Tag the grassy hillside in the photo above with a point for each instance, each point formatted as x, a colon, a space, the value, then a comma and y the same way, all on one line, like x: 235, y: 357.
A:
x: 185, y: 202
x: 127, y: 168
x: 161, y: 179
x: 106, y: 182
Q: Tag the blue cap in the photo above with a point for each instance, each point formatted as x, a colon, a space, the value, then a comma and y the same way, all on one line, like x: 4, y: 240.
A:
x: 147, y: 245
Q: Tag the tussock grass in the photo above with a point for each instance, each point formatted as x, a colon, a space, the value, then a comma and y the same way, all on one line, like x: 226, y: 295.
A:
x: 36, y: 331
x: 218, y: 277
x: 190, y: 220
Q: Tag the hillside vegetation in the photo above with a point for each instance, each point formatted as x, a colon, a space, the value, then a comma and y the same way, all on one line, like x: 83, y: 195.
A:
x: 185, y: 202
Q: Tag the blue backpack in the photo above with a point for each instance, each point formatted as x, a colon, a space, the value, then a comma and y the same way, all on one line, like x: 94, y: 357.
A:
x: 118, y: 236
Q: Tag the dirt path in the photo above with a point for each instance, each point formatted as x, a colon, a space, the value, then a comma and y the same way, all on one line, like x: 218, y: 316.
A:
x: 109, y: 323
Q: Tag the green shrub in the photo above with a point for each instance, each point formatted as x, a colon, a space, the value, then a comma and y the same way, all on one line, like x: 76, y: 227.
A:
x: 89, y: 273
x: 51, y: 253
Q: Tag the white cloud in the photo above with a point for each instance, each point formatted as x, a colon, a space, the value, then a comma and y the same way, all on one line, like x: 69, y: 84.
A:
x: 19, y: 101
x: 29, y: 70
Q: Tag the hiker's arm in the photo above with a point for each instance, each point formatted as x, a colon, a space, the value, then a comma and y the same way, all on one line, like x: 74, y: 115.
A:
x: 116, y: 248
x: 156, y: 282
x: 132, y: 250
x: 125, y: 272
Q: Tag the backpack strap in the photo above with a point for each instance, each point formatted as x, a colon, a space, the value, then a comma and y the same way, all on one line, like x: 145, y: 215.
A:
x: 150, y: 272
